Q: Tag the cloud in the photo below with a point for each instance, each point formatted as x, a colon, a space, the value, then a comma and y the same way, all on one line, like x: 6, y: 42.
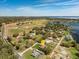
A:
x: 53, y: 3
x: 48, y: 0
x: 72, y: 2
x: 40, y: 9
x: 30, y: 11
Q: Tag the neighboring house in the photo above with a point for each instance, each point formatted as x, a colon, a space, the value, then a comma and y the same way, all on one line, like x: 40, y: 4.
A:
x: 68, y: 37
x: 50, y: 38
x: 49, y: 41
x: 36, y: 53
x: 32, y: 34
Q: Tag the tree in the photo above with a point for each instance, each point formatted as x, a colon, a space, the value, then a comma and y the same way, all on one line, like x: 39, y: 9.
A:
x: 17, y: 46
x: 24, y: 33
x: 77, y: 47
x: 1, y: 44
x: 15, y: 35
x: 77, y: 54
x: 68, y: 43
x: 6, y: 51
x: 9, y: 39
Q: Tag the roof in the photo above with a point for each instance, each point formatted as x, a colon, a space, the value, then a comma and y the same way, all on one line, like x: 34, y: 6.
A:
x: 37, y: 53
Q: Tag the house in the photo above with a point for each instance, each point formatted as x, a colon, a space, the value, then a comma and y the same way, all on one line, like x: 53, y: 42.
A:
x: 49, y: 40
x: 42, y: 44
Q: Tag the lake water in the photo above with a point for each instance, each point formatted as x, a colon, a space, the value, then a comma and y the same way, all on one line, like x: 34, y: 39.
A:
x: 67, y: 17
x: 75, y: 30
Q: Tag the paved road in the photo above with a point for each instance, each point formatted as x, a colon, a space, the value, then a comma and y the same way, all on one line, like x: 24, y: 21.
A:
x: 57, y: 46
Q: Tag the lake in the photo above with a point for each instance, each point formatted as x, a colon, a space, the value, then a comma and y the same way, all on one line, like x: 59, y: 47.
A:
x: 75, y: 30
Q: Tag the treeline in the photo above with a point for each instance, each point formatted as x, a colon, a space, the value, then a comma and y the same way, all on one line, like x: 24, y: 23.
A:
x: 16, y: 19
x: 22, y: 18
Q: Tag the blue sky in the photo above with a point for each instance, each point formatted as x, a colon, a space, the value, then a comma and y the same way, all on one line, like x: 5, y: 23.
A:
x: 39, y: 7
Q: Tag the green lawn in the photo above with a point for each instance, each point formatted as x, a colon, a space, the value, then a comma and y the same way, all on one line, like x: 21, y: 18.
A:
x: 44, y: 57
x: 73, y: 53
x: 37, y: 46
x: 28, y: 55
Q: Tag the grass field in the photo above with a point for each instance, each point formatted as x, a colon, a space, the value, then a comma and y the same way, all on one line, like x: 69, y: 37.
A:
x: 13, y: 28
x: 16, y: 30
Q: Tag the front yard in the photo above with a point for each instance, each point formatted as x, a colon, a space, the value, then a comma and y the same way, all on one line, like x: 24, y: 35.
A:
x: 28, y: 55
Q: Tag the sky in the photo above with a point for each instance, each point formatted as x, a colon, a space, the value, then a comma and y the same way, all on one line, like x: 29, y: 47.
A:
x: 39, y: 7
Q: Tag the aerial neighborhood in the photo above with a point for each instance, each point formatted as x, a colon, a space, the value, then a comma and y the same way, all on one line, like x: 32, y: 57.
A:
x: 38, y: 39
